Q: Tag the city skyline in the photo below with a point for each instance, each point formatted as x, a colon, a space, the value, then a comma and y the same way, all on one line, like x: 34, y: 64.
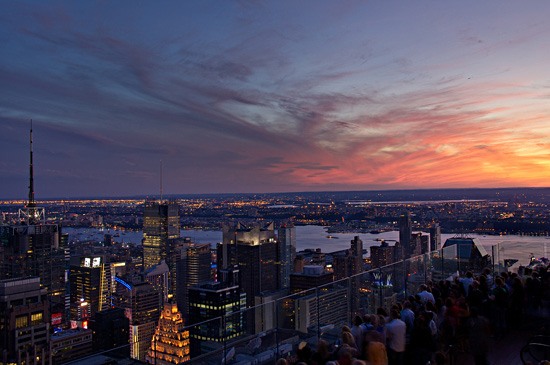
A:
x: 273, y: 96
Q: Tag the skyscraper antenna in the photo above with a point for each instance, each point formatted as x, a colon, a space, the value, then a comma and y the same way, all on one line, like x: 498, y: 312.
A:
x: 160, y: 180
x: 31, y: 202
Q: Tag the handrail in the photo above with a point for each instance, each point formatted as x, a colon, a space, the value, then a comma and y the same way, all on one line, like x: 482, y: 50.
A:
x: 530, y: 344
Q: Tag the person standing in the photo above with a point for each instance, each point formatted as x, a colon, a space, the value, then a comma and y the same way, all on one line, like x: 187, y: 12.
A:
x: 396, y: 331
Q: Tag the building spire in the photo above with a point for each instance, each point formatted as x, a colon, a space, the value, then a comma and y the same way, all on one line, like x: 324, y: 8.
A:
x: 32, y: 214
x: 31, y: 202
x: 161, y: 180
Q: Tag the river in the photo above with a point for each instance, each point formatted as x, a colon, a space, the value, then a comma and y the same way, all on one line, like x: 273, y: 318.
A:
x: 312, y: 237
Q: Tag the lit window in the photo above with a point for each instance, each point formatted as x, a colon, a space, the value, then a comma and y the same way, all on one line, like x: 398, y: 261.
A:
x: 36, y: 318
x: 21, y: 321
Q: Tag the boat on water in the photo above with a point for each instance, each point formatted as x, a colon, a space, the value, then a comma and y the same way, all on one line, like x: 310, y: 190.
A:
x: 332, y: 237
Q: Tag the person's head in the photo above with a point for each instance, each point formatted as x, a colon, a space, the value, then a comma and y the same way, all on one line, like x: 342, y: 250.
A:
x: 367, y: 319
x: 394, y: 314
x: 348, y: 339
x: 304, y: 352
x: 373, y: 319
x: 281, y: 361
x: 423, y: 287
x: 344, y: 356
x: 357, y: 320
x: 469, y: 275
x: 346, y: 329
x: 323, y: 348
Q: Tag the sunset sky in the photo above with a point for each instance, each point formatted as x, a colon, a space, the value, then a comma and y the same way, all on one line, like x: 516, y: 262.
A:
x: 273, y: 96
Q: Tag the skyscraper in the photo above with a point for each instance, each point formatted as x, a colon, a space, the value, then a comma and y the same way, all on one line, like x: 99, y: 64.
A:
x: 24, y: 322
x: 35, y: 248
x: 435, y: 237
x: 405, y: 232
x: 254, y: 250
x: 170, y: 343
x: 161, y: 223
x: 90, y: 279
x: 210, y: 301
x: 193, y: 268
x: 141, y: 305
x: 287, y: 254
x: 382, y: 255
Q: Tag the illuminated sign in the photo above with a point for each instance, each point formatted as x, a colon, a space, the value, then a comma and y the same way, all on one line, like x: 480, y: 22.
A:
x: 56, y: 318
x: 96, y: 261
x: 92, y: 262
x: 125, y: 284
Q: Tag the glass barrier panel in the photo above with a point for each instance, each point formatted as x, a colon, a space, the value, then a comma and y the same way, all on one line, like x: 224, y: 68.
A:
x: 520, y: 254
x: 388, y: 286
x: 415, y: 275
x: 208, y: 341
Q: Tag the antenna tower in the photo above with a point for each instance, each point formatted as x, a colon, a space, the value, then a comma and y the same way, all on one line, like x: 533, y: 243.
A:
x: 161, y: 180
x: 32, y: 214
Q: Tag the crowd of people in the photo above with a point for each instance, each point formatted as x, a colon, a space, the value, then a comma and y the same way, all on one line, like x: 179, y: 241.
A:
x: 460, y: 314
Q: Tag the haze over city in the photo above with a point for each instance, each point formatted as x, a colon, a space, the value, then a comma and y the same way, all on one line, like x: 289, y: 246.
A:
x: 273, y: 96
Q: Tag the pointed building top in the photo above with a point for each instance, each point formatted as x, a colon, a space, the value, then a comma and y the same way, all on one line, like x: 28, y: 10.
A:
x: 31, y: 203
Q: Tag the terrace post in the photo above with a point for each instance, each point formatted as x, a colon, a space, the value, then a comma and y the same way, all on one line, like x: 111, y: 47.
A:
x: 380, y: 296
x: 277, y: 326
x: 318, y: 314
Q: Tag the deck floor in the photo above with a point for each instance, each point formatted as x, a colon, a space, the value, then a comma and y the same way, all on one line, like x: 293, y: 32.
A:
x: 506, y: 349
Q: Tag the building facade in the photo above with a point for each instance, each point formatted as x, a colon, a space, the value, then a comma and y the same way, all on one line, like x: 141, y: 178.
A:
x: 24, y: 322
x: 211, y: 301
x: 161, y: 223
x: 170, y: 343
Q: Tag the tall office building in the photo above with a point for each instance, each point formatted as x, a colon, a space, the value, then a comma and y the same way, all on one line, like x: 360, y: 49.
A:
x: 435, y: 237
x: 254, y: 250
x: 141, y: 306
x: 193, y: 268
x: 217, y: 309
x: 110, y: 330
x: 36, y: 248
x: 287, y: 254
x: 330, y: 307
x: 311, y: 277
x: 170, y: 343
x: 356, y: 252
x: 420, y: 244
x: 90, y: 279
x: 157, y: 276
x: 350, y: 262
x: 382, y: 255
x: 405, y: 232
x: 161, y: 223
x: 24, y: 322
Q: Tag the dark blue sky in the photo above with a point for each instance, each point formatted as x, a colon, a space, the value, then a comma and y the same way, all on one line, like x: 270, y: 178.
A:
x: 246, y: 96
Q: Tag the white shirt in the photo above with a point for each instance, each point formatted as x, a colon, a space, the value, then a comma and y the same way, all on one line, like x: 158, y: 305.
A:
x: 426, y: 296
x: 395, y: 335
x: 466, y: 282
